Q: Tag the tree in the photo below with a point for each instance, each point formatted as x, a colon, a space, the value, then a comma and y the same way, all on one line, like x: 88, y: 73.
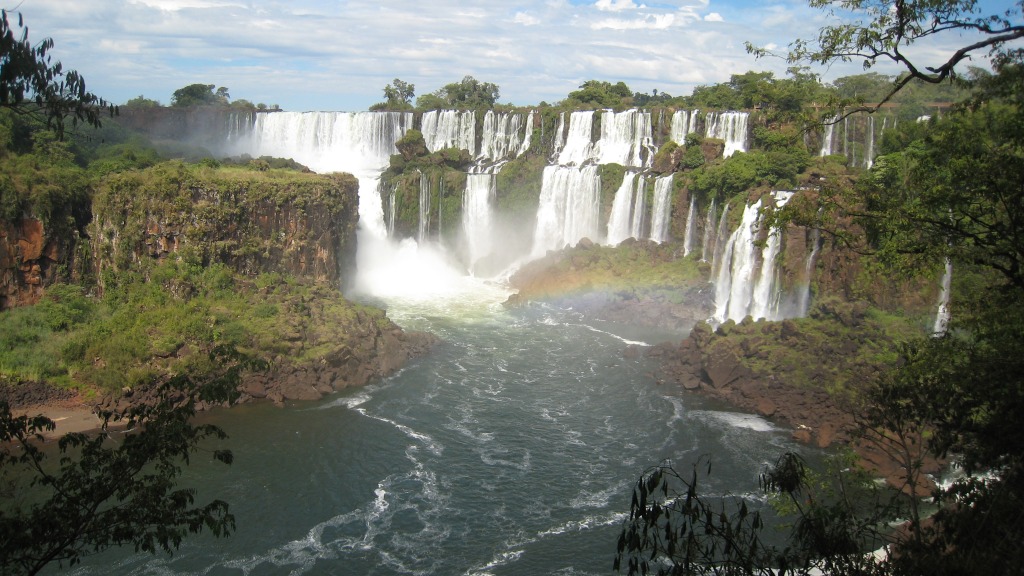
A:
x: 199, y: 95
x: 882, y: 30
x: 106, y: 492
x: 32, y: 84
x: 602, y: 94
x: 398, y: 95
x: 469, y: 93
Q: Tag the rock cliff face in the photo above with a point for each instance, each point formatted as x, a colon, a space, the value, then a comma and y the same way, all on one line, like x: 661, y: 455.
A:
x: 273, y: 221
x: 31, y: 257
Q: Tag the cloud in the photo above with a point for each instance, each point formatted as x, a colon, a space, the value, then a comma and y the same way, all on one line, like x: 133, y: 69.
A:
x: 525, y: 19
x: 646, y: 22
x: 615, y: 5
x: 330, y: 55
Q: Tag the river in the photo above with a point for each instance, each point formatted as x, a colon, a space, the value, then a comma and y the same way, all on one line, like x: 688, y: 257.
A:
x: 510, y: 449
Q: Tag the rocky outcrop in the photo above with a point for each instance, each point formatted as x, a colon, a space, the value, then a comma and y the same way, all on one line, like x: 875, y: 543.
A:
x: 253, y: 221
x: 33, y: 256
x: 373, y: 354
x: 638, y: 282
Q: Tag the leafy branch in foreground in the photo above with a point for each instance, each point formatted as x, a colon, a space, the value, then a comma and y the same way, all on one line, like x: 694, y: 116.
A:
x: 32, y: 84
x: 111, y: 489
x: 674, y: 530
x: 878, y: 30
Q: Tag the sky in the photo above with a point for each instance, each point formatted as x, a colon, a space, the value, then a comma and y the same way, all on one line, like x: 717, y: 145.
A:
x: 339, y: 54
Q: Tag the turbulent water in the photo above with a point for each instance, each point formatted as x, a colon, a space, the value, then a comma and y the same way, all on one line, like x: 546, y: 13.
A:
x: 510, y: 449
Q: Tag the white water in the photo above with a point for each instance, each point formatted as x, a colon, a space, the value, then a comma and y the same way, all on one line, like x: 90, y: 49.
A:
x: 730, y: 127
x: 661, y: 212
x: 942, y: 313
x: 477, y: 216
x: 683, y: 123
x: 424, y: 223
x: 707, y: 242
x: 826, y: 138
x: 621, y: 217
x: 734, y: 283
x: 568, y: 209
x: 636, y: 228
x: 578, y: 147
x: 690, y: 233
x: 804, y: 297
x: 505, y: 136
x: 625, y: 139
x: 449, y: 129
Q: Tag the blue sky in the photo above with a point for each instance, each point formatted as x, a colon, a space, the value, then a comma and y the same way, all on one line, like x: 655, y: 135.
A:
x: 339, y: 54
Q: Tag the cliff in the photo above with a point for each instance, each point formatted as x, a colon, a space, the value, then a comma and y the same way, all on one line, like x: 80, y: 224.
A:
x: 253, y: 221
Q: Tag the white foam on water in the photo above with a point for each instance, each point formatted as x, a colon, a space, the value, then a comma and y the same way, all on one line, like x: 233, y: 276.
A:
x: 738, y: 420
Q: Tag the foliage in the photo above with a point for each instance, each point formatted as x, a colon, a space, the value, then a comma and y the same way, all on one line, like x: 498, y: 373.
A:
x: 601, y: 94
x: 397, y: 96
x: 673, y: 529
x: 467, y: 94
x: 776, y: 168
x: 199, y: 95
x: 873, y: 30
x: 108, y: 493
x: 32, y: 84
x: 141, y: 102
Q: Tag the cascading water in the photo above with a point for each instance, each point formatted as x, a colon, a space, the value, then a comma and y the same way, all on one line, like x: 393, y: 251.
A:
x: 730, y: 127
x: 826, y: 138
x: 424, y: 222
x: 747, y: 280
x: 942, y: 314
x: 636, y: 228
x: 683, y: 123
x: 449, y: 129
x: 578, y: 147
x: 690, y: 233
x: 505, y: 136
x: 869, y: 155
x: 625, y: 139
x: 803, y: 303
x: 661, y: 212
x: 721, y: 241
x: 621, y: 218
x: 477, y: 215
x: 733, y: 285
x: 707, y: 243
x: 568, y: 208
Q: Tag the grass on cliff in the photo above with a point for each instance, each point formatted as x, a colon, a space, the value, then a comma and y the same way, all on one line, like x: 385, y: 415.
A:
x: 155, y: 323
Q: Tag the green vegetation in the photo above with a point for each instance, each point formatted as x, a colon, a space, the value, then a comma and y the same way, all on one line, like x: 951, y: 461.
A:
x: 467, y: 94
x: 105, y: 493
x: 397, y: 96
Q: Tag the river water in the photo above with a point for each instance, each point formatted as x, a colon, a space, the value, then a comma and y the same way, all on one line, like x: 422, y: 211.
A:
x: 510, y: 449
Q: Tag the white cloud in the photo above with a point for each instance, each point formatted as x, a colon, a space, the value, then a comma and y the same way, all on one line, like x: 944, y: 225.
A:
x: 615, y: 5
x: 525, y: 19
x: 646, y: 22
x: 325, y: 54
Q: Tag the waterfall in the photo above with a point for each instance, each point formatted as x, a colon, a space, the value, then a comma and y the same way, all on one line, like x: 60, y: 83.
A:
x: 803, y: 302
x: 636, y: 228
x: 476, y: 215
x: 709, y: 230
x: 449, y: 129
x: 690, y: 233
x: 568, y: 208
x: 826, y: 139
x: 683, y: 123
x: 360, y: 143
x: 942, y: 314
x: 721, y: 239
x: 558, y: 142
x: 661, y: 212
x: 578, y: 147
x: 424, y: 223
x: 505, y: 136
x: 391, y: 211
x: 733, y: 285
x: 625, y: 138
x: 621, y: 217
x: 747, y: 279
x: 730, y: 127
x: 869, y: 156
